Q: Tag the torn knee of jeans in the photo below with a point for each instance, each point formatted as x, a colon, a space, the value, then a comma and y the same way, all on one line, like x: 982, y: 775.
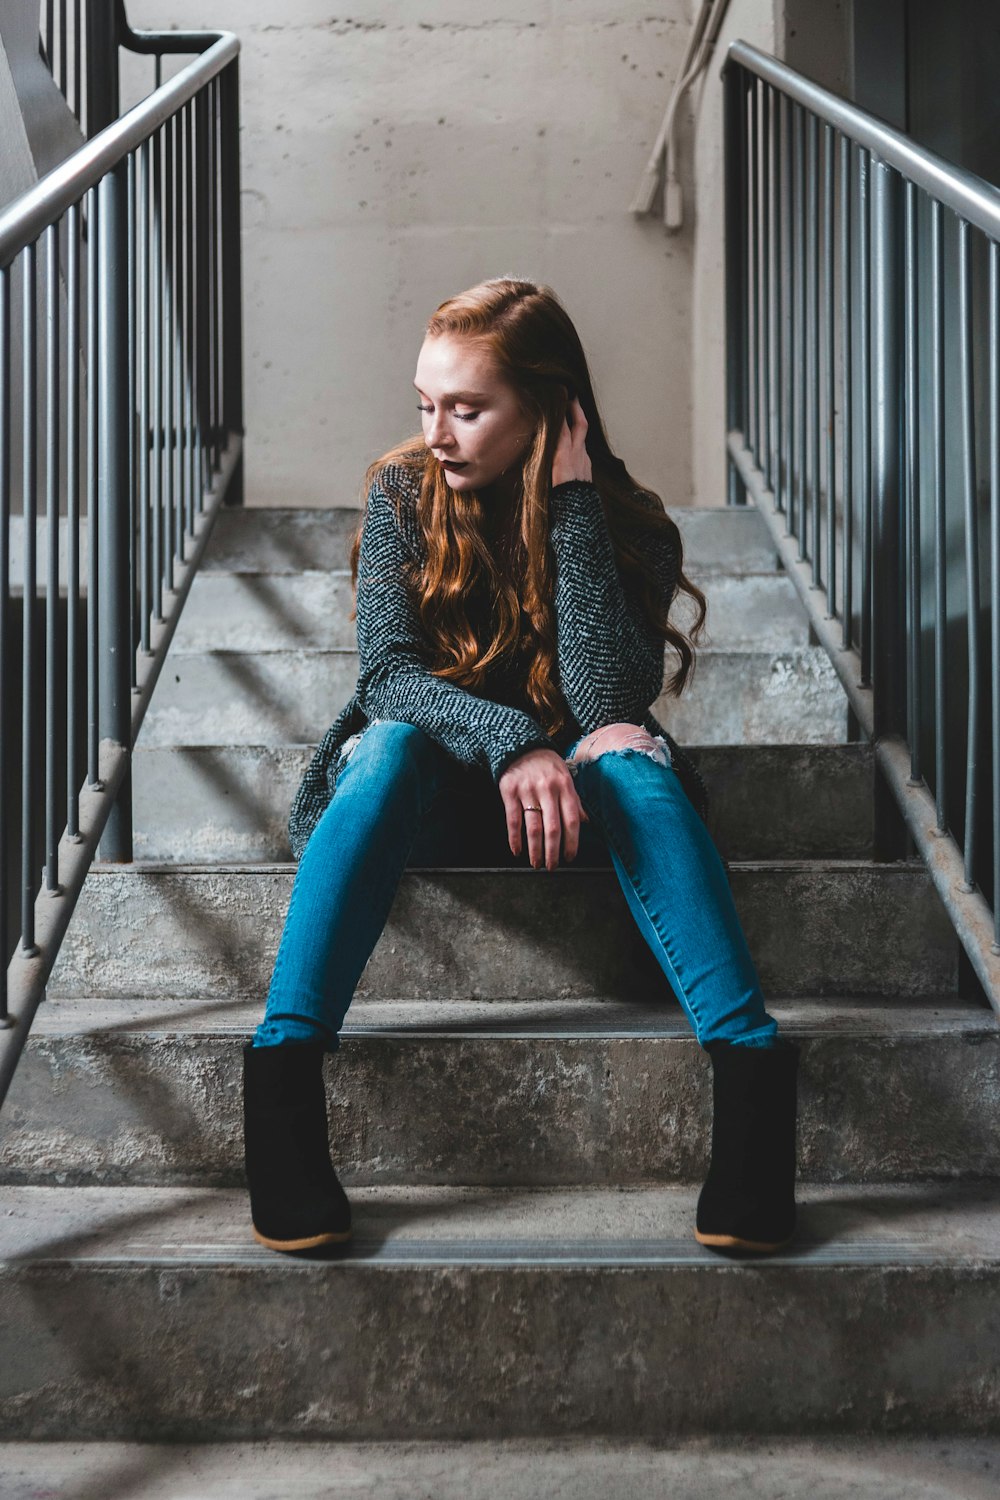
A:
x: 656, y: 749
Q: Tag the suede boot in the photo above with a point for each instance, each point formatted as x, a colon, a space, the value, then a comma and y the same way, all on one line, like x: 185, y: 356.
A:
x: 296, y: 1200
x: 748, y: 1199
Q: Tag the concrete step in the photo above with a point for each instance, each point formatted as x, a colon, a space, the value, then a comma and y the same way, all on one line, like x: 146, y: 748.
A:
x: 291, y: 697
x: 266, y: 611
x: 717, y: 539
x: 814, y: 927
x: 526, y: 1093
x: 837, y: 1468
x: 496, y: 1312
x: 231, y: 802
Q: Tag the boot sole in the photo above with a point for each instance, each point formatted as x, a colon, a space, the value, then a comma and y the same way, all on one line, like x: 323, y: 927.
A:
x: 310, y: 1242
x: 733, y: 1242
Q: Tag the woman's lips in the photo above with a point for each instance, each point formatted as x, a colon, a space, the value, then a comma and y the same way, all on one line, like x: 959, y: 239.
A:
x: 449, y: 464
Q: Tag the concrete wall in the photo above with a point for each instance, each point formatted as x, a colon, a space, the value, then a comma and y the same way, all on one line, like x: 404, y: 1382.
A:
x: 399, y: 155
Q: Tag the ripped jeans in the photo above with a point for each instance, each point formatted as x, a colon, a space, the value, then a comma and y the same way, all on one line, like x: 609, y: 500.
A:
x: 401, y: 800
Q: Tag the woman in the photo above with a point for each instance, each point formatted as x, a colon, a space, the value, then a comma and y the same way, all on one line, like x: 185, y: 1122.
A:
x: 513, y: 584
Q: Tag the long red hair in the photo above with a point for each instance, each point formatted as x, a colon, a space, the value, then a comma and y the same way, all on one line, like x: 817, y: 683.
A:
x: 538, y: 351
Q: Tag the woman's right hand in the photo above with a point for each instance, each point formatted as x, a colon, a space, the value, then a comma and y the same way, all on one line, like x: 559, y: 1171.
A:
x: 540, y: 778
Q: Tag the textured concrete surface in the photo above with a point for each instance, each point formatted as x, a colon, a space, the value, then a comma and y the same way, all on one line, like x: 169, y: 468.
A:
x: 290, y: 697
x: 816, y: 1469
x: 267, y: 612
x: 812, y: 927
x: 207, y: 803
x: 487, y: 1313
x: 597, y: 1093
x: 394, y: 154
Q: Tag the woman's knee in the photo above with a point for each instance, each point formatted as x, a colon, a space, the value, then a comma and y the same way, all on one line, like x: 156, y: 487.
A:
x: 387, y: 749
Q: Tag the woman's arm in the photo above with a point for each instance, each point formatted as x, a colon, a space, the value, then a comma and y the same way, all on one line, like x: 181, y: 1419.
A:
x: 610, y: 659
x: 394, y: 681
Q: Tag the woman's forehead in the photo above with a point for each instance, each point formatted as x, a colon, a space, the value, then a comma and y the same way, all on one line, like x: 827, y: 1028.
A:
x: 456, y: 367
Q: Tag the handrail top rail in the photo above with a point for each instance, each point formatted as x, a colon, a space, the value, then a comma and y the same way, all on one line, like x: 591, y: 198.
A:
x: 43, y: 204
x: 971, y: 197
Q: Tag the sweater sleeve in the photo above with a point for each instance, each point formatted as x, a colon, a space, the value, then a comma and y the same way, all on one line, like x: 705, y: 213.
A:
x: 394, y: 680
x: 611, y: 661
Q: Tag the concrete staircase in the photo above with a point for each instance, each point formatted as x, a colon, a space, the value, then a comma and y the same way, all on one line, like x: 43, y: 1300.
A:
x: 518, y: 1109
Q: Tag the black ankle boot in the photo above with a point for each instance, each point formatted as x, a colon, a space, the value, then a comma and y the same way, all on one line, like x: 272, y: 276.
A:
x: 748, y: 1200
x: 296, y: 1201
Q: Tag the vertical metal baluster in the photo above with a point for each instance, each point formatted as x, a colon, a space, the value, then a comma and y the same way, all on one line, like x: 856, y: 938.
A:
x: 188, y: 365
x: 940, y: 528
x: 830, y: 383
x: 77, y: 61
x: 847, y: 355
x: 765, y: 157
x: 788, y: 303
x: 169, y: 300
x: 799, y: 523
x: 30, y: 511
x: 794, y: 320
x: 811, y: 374
x: 887, y: 532
x: 142, y: 439
x: 994, y: 380
x: 63, y: 61
x: 201, y: 288
x: 133, y: 437
x: 912, y: 479
x: 177, y: 342
x: 5, y: 623
x: 864, y: 353
x: 93, y: 542
x: 156, y: 369
x: 777, y: 242
x: 52, y: 579
x: 752, y: 259
x: 968, y: 436
x: 72, y: 516
x: 217, y: 424
x: 50, y: 33
x: 232, y: 271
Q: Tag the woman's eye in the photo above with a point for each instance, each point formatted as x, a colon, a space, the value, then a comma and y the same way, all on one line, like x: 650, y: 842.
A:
x: 463, y: 416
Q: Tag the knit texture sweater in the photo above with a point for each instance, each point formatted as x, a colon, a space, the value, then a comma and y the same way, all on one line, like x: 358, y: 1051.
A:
x: 611, y: 662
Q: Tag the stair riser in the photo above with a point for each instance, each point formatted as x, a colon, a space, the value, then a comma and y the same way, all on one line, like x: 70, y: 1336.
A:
x: 230, y: 803
x: 516, y: 934
x: 196, y: 1352
x: 160, y: 1110
x: 716, y: 540
x: 262, y: 612
x: 291, y: 697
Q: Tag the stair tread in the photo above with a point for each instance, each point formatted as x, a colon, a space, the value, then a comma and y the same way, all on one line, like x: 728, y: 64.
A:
x: 885, y: 1224
x: 588, y: 1017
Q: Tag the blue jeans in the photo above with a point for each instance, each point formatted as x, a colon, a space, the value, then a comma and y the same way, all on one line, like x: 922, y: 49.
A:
x: 403, y: 800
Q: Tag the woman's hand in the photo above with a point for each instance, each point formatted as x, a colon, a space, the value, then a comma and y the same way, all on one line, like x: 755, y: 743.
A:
x: 571, y: 459
x: 540, y: 779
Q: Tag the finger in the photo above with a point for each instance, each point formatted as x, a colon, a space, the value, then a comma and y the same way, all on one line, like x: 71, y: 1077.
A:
x: 570, y: 823
x: 514, y: 815
x: 552, y: 819
x: 534, y: 826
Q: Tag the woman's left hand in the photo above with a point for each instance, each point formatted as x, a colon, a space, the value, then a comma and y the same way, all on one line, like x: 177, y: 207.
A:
x: 571, y: 459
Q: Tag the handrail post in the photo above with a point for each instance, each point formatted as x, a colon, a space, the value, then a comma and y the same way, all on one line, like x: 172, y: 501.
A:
x: 888, y: 531
x: 114, y: 633
x: 733, y: 97
x: 232, y: 263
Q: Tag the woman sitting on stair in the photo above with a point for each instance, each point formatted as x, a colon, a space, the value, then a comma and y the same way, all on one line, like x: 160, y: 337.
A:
x: 513, y: 584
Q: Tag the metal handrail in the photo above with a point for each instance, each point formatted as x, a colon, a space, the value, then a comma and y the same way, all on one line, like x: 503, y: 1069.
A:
x: 837, y: 228
x: 130, y: 397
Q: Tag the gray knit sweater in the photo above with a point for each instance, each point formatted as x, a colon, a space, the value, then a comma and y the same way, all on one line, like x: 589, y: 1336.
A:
x: 611, y: 662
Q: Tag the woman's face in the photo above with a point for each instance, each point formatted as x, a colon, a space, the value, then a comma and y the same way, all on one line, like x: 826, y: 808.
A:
x: 472, y: 418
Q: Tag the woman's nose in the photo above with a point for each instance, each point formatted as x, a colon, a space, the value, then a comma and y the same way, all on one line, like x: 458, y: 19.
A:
x: 437, y: 432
